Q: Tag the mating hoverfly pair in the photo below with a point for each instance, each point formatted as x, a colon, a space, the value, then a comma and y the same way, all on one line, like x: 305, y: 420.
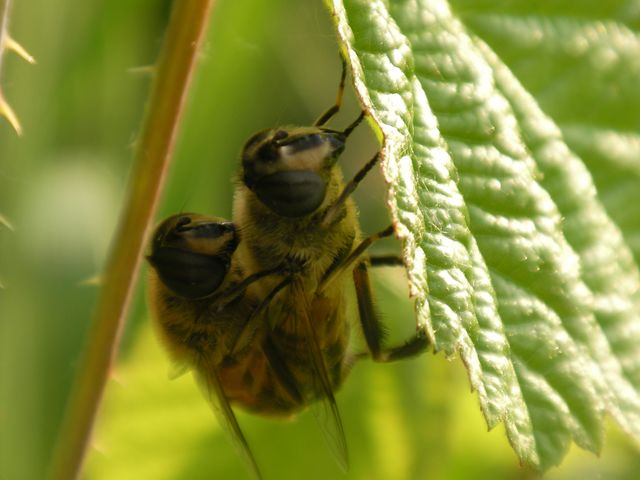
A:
x: 256, y: 307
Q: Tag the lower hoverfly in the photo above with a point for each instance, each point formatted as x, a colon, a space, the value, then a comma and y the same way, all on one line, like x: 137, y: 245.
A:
x: 262, y: 319
x: 192, y: 260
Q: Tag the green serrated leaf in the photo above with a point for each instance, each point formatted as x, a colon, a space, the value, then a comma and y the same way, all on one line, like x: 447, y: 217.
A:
x: 613, y: 158
x: 583, y: 67
x: 512, y: 258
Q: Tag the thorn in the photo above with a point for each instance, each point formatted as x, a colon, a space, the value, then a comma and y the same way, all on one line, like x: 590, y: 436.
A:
x: 115, y: 377
x: 93, y: 281
x: 7, y: 112
x: 98, y: 447
x: 143, y: 70
x: 5, y: 222
x: 11, y: 44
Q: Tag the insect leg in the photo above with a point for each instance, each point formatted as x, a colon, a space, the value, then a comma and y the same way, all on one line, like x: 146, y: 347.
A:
x: 331, y: 111
x: 223, y: 298
x: 337, y: 269
x: 374, y: 331
x: 334, y: 209
x: 232, y: 292
x: 347, y: 131
x: 254, y: 315
x: 386, y: 261
x: 372, y: 328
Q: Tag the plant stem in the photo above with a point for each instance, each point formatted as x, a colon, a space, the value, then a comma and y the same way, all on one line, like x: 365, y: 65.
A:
x: 5, y: 109
x: 173, y: 73
x: 5, y: 7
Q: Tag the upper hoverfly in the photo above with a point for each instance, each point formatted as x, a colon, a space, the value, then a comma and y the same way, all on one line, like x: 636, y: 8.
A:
x: 273, y: 305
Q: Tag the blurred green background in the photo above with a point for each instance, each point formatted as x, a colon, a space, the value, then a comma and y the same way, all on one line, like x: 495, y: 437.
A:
x: 62, y: 185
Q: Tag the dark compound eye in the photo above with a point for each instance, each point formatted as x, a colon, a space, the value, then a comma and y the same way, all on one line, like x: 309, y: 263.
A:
x: 288, y: 170
x: 292, y: 193
x: 188, y: 274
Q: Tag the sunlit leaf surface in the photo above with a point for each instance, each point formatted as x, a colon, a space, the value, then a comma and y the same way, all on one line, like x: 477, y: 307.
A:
x: 513, y: 258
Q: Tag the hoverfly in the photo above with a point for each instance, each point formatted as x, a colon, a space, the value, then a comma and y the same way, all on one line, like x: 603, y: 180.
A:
x: 262, y: 320
x: 294, y: 208
x: 197, y: 293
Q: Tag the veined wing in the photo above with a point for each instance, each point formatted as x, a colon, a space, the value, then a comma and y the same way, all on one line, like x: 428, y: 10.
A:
x: 326, y: 412
x: 212, y: 388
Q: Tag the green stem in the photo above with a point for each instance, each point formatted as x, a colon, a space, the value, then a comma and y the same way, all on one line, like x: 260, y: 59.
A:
x: 174, y: 70
x: 5, y: 6
x: 5, y: 109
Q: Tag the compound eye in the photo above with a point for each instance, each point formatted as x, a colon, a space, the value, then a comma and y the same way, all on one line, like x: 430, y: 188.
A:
x: 291, y: 194
x: 191, y: 253
x: 189, y: 274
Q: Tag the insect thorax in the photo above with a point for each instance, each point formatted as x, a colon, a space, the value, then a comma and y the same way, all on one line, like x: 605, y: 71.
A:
x: 268, y: 239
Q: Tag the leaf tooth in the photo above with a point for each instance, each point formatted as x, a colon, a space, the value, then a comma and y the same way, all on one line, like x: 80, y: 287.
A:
x: 14, y: 46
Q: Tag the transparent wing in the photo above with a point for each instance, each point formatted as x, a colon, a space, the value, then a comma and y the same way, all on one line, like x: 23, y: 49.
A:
x: 326, y: 411
x: 176, y: 370
x: 211, y: 387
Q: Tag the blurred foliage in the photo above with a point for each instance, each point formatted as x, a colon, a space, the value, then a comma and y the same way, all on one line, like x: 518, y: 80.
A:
x: 61, y: 186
